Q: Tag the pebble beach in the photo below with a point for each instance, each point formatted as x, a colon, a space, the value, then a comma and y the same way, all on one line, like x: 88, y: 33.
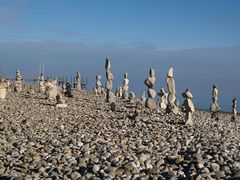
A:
x: 87, y: 140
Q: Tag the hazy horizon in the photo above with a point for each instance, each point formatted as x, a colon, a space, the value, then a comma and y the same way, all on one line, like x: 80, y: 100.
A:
x: 197, y: 69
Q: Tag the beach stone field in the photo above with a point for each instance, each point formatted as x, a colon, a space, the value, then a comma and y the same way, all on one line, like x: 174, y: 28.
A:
x: 91, y: 140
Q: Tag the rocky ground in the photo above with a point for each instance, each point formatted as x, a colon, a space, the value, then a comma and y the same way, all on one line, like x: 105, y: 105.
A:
x: 87, y: 140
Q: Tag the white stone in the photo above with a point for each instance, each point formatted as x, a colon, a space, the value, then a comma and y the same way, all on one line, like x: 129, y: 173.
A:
x: 51, y: 89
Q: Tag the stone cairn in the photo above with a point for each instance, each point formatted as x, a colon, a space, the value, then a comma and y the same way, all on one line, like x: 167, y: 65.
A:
x: 60, y: 101
x: 51, y: 89
x: 3, y: 88
x: 214, y: 106
x: 149, y: 82
x: 188, y: 107
x: 234, y: 109
x: 117, y: 91
x: 172, y: 104
x: 109, y: 84
x: 30, y: 91
x: 120, y: 91
x: 41, y: 84
x: 69, y: 92
x: 162, y: 102
x: 78, y: 81
x: 18, y: 82
x: 143, y: 98
x: 132, y: 97
x: 98, y: 88
x: 125, y: 86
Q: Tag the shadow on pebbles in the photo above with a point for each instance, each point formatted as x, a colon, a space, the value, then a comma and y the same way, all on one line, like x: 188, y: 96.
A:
x: 86, y: 140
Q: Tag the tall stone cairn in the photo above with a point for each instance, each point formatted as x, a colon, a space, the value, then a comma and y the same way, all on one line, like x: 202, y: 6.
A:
x: 234, y: 109
x: 109, y: 84
x: 41, y: 84
x: 149, y: 82
x: 188, y: 107
x: 18, y: 82
x: 172, y: 101
x: 125, y: 86
x: 78, y: 81
x: 214, y: 106
x: 98, y: 88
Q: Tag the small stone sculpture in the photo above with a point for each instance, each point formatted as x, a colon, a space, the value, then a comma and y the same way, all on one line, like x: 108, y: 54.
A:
x: 109, y: 95
x: 63, y: 89
x: 103, y: 92
x: 162, y: 103
x: 188, y: 106
x: 143, y: 98
x: 149, y: 82
x: 172, y: 105
x: 69, y: 92
x: 98, y: 88
x: 60, y: 101
x: 125, y: 86
x: 214, y: 106
x: 18, y: 82
x: 132, y: 97
x: 120, y: 91
x: 30, y: 91
x: 3, y: 88
x: 117, y: 91
x: 78, y: 81
x: 51, y: 89
x: 234, y: 109
x: 41, y: 84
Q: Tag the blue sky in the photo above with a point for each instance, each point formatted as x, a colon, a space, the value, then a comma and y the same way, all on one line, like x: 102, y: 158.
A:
x: 200, y: 39
x: 169, y: 24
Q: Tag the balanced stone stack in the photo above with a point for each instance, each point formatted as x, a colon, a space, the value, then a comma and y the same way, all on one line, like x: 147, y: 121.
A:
x: 41, y: 84
x: 109, y: 84
x: 132, y: 97
x: 188, y: 107
x: 162, y: 103
x: 143, y: 98
x: 214, y: 106
x: 60, y: 101
x: 18, y: 82
x: 63, y: 89
x: 149, y: 82
x: 125, y: 86
x: 30, y: 91
x: 51, y: 89
x: 3, y: 88
x: 69, y: 92
x: 98, y: 88
x: 172, y: 105
x: 78, y: 81
x: 234, y: 109
x: 120, y: 91
x: 117, y: 91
